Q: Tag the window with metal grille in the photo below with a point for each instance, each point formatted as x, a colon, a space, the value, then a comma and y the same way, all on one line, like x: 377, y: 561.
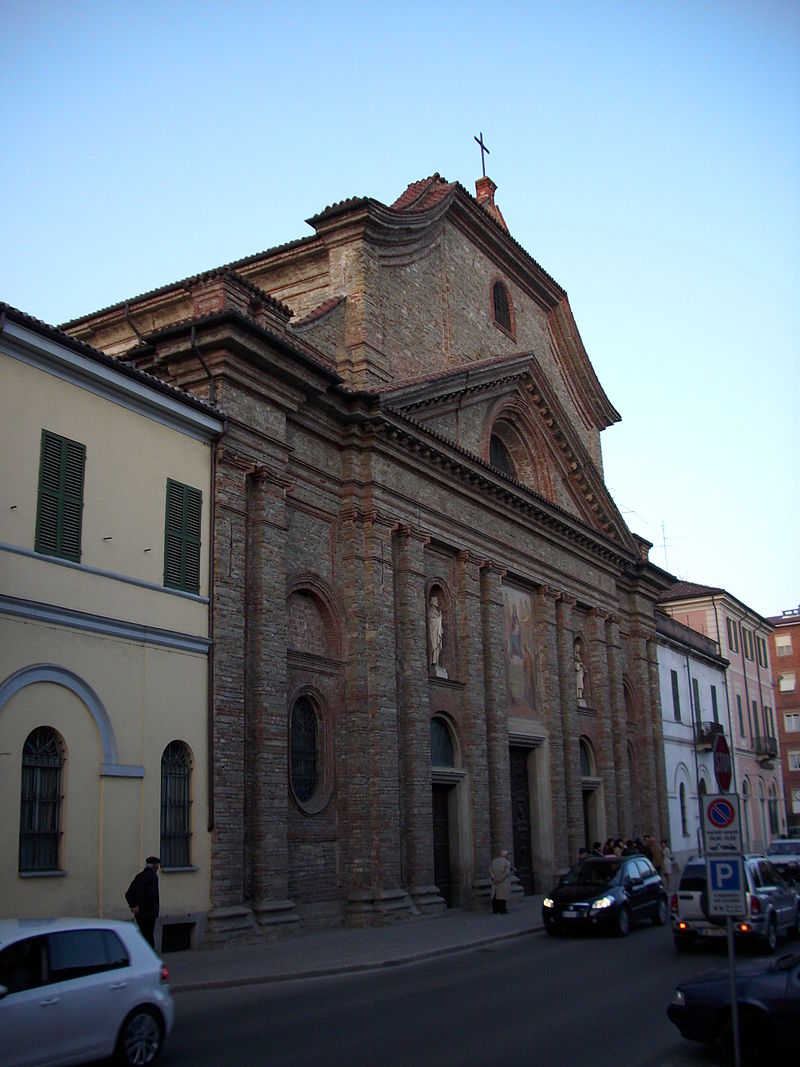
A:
x: 501, y: 303
x: 305, y: 762
x: 40, y: 808
x: 182, y: 537
x: 176, y: 802
x: 59, y: 509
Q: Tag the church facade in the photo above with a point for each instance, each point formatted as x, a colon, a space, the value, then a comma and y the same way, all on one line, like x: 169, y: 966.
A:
x: 433, y: 635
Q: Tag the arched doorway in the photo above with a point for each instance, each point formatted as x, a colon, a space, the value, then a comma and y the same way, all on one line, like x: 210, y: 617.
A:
x: 445, y: 777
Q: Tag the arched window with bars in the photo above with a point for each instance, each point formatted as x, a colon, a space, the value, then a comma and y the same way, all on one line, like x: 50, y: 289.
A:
x: 305, y: 754
x: 501, y: 308
x: 41, y: 800
x: 176, y: 805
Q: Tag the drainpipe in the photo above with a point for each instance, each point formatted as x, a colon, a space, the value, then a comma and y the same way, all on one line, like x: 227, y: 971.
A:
x: 210, y: 709
x: 133, y: 325
x: 212, y: 393
x: 212, y: 397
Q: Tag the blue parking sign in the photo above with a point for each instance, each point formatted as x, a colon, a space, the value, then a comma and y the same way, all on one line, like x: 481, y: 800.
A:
x: 725, y: 885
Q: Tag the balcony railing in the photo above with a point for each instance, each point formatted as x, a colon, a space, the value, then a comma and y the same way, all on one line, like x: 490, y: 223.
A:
x: 766, y: 747
x: 704, y: 734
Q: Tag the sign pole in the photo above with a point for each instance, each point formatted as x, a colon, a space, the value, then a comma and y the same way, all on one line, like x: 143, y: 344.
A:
x: 737, y: 1052
x: 725, y: 873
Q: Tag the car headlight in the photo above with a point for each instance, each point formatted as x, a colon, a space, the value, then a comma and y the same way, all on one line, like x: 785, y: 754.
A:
x: 547, y: 902
x: 679, y: 998
x: 603, y: 902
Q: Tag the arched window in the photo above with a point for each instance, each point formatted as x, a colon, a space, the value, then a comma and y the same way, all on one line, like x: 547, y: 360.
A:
x: 176, y: 801
x: 773, y: 810
x: 500, y: 457
x: 442, y: 753
x: 305, y: 763
x: 682, y: 803
x: 40, y: 808
x: 501, y: 307
x: 587, y: 763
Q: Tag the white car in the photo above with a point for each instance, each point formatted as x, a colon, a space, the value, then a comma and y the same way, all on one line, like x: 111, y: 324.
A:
x: 73, y: 990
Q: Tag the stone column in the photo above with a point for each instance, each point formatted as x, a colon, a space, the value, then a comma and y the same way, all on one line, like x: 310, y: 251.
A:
x: 265, y: 700
x: 494, y: 673
x: 474, y: 741
x: 413, y: 721
x: 372, y: 780
x: 571, y: 728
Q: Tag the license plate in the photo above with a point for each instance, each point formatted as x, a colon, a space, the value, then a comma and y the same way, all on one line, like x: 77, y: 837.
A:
x: 569, y: 914
x: 715, y: 932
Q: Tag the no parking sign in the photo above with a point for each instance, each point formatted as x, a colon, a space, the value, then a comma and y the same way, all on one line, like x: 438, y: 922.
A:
x: 721, y: 827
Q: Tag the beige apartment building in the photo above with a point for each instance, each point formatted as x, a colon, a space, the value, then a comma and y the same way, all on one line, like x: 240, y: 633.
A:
x: 105, y: 505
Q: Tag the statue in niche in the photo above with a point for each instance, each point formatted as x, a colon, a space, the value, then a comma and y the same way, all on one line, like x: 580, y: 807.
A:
x: 436, y: 635
x: 580, y: 672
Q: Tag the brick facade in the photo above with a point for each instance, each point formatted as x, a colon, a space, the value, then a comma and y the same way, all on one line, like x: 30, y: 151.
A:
x: 352, y: 484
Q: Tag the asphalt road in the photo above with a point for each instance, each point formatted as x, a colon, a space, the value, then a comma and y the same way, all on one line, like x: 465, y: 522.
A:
x: 531, y: 1002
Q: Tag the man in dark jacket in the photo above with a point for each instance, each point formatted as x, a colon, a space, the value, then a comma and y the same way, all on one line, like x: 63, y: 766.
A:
x: 142, y: 898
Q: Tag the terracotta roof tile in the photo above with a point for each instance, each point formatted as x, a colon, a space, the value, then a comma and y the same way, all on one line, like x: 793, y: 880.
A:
x: 687, y: 590
x: 424, y: 194
x: 318, y: 312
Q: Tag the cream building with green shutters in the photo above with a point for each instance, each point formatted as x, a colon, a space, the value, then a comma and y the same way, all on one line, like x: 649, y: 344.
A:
x: 105, y: 504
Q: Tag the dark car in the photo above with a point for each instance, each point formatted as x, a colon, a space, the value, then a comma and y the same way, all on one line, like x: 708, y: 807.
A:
x: 606, y: 893
x: 784, y: 855
x: 768, y: 998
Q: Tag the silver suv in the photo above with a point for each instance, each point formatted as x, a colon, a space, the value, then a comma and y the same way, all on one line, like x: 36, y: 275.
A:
x: 773, y: 906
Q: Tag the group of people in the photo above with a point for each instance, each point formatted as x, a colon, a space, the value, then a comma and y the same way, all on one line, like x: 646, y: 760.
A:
x: 659, y: 854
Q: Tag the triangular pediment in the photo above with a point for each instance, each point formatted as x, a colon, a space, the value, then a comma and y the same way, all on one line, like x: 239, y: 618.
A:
x: 512, y: 400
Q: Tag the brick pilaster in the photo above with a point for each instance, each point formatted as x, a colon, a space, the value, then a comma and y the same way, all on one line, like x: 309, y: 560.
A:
x: 474, y: 705
x: 265, y: 696
x: 373, y: 770
x: 546, y: 621
x: 621, y: 818
x: 413, y: 720
x: 494, y: 672
x: 571, y: 728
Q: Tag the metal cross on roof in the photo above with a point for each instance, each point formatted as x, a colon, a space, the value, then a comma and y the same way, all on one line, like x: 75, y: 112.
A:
x: 479, y: 140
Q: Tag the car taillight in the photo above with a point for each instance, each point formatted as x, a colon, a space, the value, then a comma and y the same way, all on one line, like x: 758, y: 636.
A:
x: 755, y: 906
x: 164, y: 973
x: 673, y: 902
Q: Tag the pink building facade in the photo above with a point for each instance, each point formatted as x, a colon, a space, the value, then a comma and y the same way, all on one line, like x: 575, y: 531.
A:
x: 743, y: 638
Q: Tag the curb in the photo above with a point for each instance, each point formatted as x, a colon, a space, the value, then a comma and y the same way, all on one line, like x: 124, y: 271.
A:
x: 204, y: 984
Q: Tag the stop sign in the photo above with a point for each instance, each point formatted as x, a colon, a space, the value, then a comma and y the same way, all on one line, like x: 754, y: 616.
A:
x: 722, y: 763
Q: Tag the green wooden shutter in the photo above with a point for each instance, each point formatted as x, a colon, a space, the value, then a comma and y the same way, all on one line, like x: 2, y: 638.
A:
x: 59, y: 513
x: 182, y: 537
x: 676, y: 696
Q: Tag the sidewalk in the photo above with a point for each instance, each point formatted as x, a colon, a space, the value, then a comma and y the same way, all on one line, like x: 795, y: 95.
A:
x: 341, y: 950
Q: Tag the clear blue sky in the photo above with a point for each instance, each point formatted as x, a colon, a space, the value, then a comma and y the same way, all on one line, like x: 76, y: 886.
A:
x: 647, y: 154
